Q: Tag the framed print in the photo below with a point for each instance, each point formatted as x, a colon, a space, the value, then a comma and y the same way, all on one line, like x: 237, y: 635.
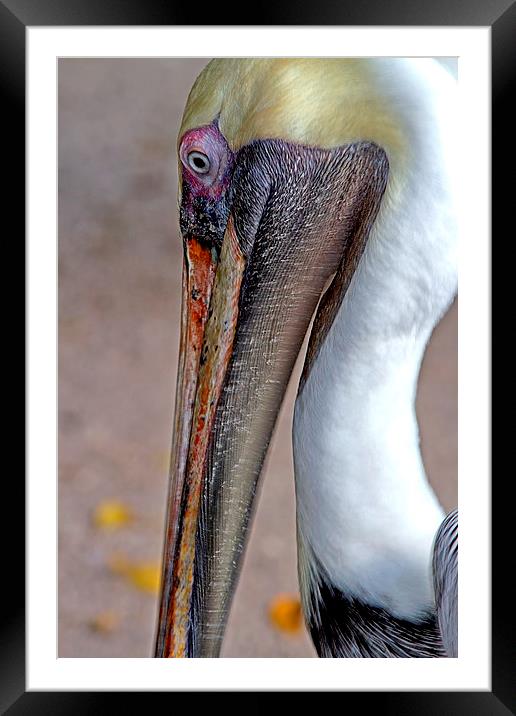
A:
x: 105, y: 89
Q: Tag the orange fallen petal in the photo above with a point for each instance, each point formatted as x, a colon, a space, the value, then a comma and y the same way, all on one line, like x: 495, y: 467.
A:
x: 146, y: 576
x: 285, y: 613
x: 118, y: 563
x: 105, y: 622
x: 143, y: 575
x: 111, y: 514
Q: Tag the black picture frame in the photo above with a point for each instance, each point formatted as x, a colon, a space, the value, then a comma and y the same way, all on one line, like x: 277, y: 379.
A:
x: 500, y: 15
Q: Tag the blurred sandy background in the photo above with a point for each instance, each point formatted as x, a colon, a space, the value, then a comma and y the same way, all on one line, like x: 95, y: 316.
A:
x: 119, y: 301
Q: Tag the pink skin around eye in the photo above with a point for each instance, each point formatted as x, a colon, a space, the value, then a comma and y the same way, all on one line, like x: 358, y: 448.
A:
x: 209, y: 141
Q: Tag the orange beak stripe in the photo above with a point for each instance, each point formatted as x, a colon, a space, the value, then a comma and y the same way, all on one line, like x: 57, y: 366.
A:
x: 207, y: 349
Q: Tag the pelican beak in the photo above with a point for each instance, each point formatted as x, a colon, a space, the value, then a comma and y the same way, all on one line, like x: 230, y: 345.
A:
x: 296, y: 215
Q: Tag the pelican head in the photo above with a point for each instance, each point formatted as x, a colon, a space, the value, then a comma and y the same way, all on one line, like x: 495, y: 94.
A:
x: 283, y: 165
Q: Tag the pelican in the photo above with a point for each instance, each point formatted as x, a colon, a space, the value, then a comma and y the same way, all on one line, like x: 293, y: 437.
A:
x: 324, y: 190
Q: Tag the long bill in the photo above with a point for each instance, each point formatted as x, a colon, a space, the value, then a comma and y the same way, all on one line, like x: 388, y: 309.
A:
x: 298, y: 215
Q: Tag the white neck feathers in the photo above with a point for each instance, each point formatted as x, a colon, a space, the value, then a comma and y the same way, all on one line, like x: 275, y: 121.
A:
x: 365, y: 509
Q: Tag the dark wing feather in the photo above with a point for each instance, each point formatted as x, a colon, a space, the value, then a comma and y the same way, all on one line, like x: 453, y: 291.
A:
x: 445, y: 566
x: 344, y: 627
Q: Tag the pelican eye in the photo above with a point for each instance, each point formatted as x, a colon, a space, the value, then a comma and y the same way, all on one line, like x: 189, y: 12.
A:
x: 199, y: 162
